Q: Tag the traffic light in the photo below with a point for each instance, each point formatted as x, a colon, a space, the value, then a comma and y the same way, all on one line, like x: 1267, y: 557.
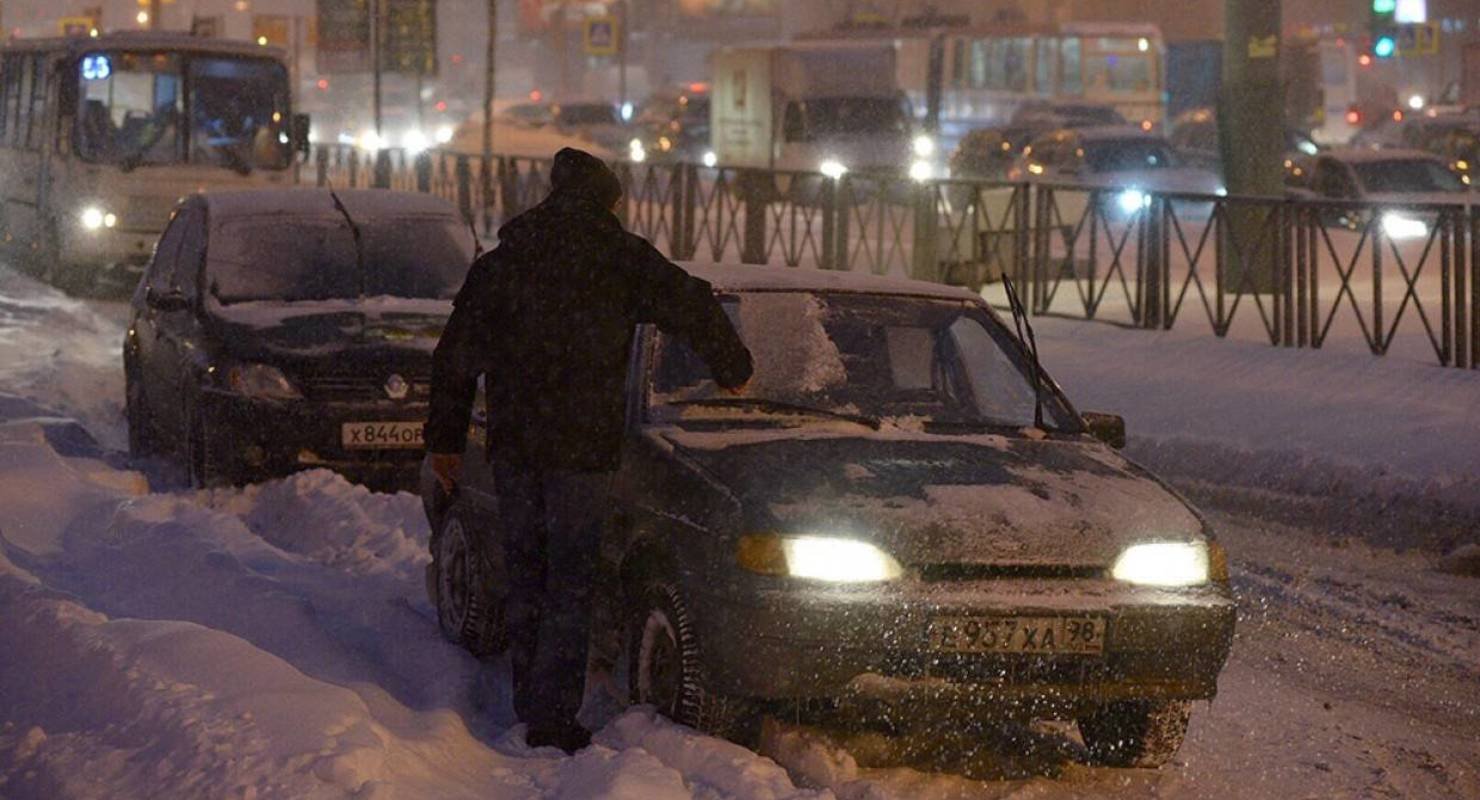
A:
x: 1384, y: 28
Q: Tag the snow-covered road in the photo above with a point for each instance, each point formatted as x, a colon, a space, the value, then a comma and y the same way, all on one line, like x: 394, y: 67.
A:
x: 275, y: 642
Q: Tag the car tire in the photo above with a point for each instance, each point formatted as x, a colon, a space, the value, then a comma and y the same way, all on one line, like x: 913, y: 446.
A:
x: 664, y: 668
x: 463, y: 579
x: 1136, y: 733
x: 142, y: 439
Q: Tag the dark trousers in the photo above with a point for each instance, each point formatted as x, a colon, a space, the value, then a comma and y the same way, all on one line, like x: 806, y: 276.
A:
x: 552, y: 522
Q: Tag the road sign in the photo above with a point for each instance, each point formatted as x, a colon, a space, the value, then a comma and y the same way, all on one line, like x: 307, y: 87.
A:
x: 599, y: 34
x: 409, y: 39
x: 1420, y: 39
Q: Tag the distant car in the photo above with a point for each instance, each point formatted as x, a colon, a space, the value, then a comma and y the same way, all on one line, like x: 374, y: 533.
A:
x: 673, y: 126
x: 1194, y: 135
x: 990, y: 152
x: 1045, y: 115
x: 875, y: 525
x: 263, y: 341
x: 1416, y: 131
x: 1130, y: 160
x: 528, y: 115
x: 1400, y: 178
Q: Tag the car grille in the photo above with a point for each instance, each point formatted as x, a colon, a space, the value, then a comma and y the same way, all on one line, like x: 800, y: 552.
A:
x: 332, y: 388
x: 984, y: 572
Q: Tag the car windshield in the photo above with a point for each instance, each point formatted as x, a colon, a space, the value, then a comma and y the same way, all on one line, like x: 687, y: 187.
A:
x: 1123, y: 155
x: 832, y: 116
x: 1406, y: 176
x: 314, y: 258
x: 149, y: 108
x: 864, y: 357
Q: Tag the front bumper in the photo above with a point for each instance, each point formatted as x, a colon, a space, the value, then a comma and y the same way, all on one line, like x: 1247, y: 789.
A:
x: 254, y: 437
x: 868, y: 648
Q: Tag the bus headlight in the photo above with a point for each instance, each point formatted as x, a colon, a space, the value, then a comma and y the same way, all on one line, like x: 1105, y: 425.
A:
x: 924, y: 146
x: 94, y: 218
x: 921, y: 171
x: 832, y: 168
x: 1163, y: 564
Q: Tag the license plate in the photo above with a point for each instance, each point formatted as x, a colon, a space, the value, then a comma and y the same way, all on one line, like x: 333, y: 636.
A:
x: 380, y: 435
x: 1017, y: 634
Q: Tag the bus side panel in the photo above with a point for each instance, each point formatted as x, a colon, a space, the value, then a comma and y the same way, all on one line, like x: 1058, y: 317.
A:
x: 740, y: 111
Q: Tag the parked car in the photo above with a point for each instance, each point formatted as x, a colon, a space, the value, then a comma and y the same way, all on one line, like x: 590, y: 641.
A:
x: 1194, y: 136
x: 877, y: 523
x: 1129, y: 162
x: 1402, y: 179
x: 271, y: 333
x: 674, y: 126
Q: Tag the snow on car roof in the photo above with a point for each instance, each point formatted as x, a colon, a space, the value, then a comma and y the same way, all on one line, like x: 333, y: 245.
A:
x: 1367, y: 155
x: 762, y: 278
x: 362, y: 203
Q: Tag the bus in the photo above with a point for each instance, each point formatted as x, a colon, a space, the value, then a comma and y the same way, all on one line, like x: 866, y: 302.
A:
x: 962, y: 78
x: 100, y: 137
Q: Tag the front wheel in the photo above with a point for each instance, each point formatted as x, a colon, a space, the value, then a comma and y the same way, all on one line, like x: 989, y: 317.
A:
x: 665, y: 671
x: 463, y: 578
x: 1135, y: 733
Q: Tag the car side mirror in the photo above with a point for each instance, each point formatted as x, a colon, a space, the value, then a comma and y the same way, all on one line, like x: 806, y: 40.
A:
x: 299, y: 133
x: 1108, y: 428
x: 166, y: 302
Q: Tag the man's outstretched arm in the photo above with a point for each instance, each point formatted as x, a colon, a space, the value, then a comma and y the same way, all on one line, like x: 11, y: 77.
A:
x: 685, y: 306
x: 456, y: 364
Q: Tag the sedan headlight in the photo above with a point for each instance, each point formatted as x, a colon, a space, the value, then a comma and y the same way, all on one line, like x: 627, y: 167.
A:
x: 636, y: 151
x: 1398, y: 226
x: 1163, y: 564
x: 921, y: 171
x: 822, y: 558
x: 924, y: 146
x: 261, y: 380
x: 832, y: 168
x: 94, y: 218
x: 1132, y: 200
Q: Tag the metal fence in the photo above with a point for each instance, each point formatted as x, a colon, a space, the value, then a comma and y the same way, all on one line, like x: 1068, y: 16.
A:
x: 1295, y: 273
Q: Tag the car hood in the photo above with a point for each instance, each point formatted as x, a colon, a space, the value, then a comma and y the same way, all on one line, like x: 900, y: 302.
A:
x: 1172, y: 179
x: 274, y: 330
x: 1422, y: 198
x: 943, y: 499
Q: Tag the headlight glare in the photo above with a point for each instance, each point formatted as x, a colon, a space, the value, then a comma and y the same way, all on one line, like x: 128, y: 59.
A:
x: 924, y: 146
x: 823, y: 558
x: 94, y: 218
x: 261, y: 380
x: 710, y: 159
x: 1132, y: 200
x: 921, y: 171
x: 1163, y: 564
x: 1398, y: 226
x: 832, y: 168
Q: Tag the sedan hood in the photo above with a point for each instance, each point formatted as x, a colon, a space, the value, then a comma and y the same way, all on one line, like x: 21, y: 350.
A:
x: 1191, y: 180
x: 938, y: 500
x: 273, y: 330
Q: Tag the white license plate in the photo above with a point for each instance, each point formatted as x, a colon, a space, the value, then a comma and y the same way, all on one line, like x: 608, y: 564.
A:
x: 380, y: 435
x: 1017, y: 634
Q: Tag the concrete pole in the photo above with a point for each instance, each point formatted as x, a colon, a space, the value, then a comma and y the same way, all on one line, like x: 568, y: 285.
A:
x: 377, y: 56
x: 490, y: 62
x: 1251, y: 126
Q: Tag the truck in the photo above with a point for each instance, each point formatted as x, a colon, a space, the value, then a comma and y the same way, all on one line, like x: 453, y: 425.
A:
x: 828, y: 107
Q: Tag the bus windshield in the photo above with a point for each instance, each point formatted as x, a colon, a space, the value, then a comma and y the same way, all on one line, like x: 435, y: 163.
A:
x: 154, y: 108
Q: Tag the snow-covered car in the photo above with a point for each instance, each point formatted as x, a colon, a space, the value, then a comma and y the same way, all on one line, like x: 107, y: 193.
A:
x: 880, y: 525
x: 1406, y: 185
x: 1123, y: 166
x: 283, y: 330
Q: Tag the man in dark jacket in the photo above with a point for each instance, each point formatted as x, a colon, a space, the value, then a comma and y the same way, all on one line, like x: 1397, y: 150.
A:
x: 548, y: 319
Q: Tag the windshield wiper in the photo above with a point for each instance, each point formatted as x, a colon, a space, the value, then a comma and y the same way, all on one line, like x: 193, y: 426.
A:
x: 1020, y: 319
x: 777, y: 405
x: 355, y: 232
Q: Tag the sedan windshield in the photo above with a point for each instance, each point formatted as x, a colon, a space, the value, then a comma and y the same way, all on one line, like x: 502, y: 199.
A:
x: 863, y: 358
x: 1124, y: 155
x: 1406, y: 176
x: 314, y: 259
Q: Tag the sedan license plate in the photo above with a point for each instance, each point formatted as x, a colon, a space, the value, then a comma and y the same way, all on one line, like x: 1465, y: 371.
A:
x: 1018, y: 635
x: 380, y: 435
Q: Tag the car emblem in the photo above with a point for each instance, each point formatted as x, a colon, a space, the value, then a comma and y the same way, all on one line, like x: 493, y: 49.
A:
x: 396, y: 387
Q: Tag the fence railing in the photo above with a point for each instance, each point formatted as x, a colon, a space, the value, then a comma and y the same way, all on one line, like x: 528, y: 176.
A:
x: 1295, y: 273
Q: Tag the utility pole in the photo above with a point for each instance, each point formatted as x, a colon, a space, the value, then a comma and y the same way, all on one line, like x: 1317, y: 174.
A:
x: 1251, y: 127
x: 156, y: 11
x: 490, y: 61
x: 621, y: 14
x: 377, y: 56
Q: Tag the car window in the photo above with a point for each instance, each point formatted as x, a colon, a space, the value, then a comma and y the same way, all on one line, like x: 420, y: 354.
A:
x: 161, y: 274
x: 1119, y: 155
x: 1332, y: 181
x: 1407, y: 176
x: 191, y: 256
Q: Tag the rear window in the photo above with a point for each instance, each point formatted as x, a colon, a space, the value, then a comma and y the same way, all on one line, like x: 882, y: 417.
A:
x: 1122, y: 155
x: 1407, y: 177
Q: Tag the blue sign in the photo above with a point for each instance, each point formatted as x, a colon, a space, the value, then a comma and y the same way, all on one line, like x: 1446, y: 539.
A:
x: 96, y: 68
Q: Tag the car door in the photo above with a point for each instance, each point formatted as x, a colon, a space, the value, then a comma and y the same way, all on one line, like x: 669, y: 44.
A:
x: 151, y: 324
x: 179, y: 342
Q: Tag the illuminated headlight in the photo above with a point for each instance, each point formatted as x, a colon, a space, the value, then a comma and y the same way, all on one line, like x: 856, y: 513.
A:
x: 635, y: 150
x: 415, y: 141
x: 921, y: 171
x: 710, y: 159
x: 832, y: 168
x: 1221, y: 191
x: 369, y: 140
x: 1397, y: 226
x: 444, y: 134
x: 94, y: 218
x: 1132, y: 200
x: 822, y: 558
x: 261, y: 380
x: 924, y: 146
x: 1163, y: 564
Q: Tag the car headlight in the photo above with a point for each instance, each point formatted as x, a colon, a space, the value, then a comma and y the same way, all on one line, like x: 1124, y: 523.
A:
x: 1221, y: 191
x: 636, y: 151
x: 822, y: 558
x: 924, y: 146
x: 94, y: 218
x: 1398, y: 226
x: 921, y: 171
x: 832, y: 168
x: 415, y: 141
x: 710, y: 159
x: 261, y: 380
x: 1163, y: 564
x: 444, y: 134
x: 1132, y: 200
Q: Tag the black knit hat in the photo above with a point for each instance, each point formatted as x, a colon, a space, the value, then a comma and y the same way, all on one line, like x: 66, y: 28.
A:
x: 576, y: 172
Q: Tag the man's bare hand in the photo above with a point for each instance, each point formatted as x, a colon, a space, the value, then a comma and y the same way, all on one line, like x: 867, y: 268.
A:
x: 448, y: 469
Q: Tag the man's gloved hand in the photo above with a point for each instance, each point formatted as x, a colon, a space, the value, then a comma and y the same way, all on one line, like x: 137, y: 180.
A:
x: 448, y: 469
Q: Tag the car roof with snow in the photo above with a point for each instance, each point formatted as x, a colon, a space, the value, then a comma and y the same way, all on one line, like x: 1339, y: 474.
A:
x: 760, y: 278
x: 361, y: 203
x: 1367, y: 155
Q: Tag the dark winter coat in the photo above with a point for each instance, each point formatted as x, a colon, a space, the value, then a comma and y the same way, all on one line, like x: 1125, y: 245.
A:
x: 548, y: 318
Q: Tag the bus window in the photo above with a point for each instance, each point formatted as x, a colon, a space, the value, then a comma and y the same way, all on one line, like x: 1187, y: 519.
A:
x: 35, y: 133
x: 958, y: 64
x: 1071, y: 77
x: 1117, y: 73
x: 131, y: 108
x: 10, y: 95
x: 238, y: 113
x: 1044, y: 56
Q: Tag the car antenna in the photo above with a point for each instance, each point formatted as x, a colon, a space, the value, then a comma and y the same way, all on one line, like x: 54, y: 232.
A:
x: 1020, y: 319
x: 354, y: 231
